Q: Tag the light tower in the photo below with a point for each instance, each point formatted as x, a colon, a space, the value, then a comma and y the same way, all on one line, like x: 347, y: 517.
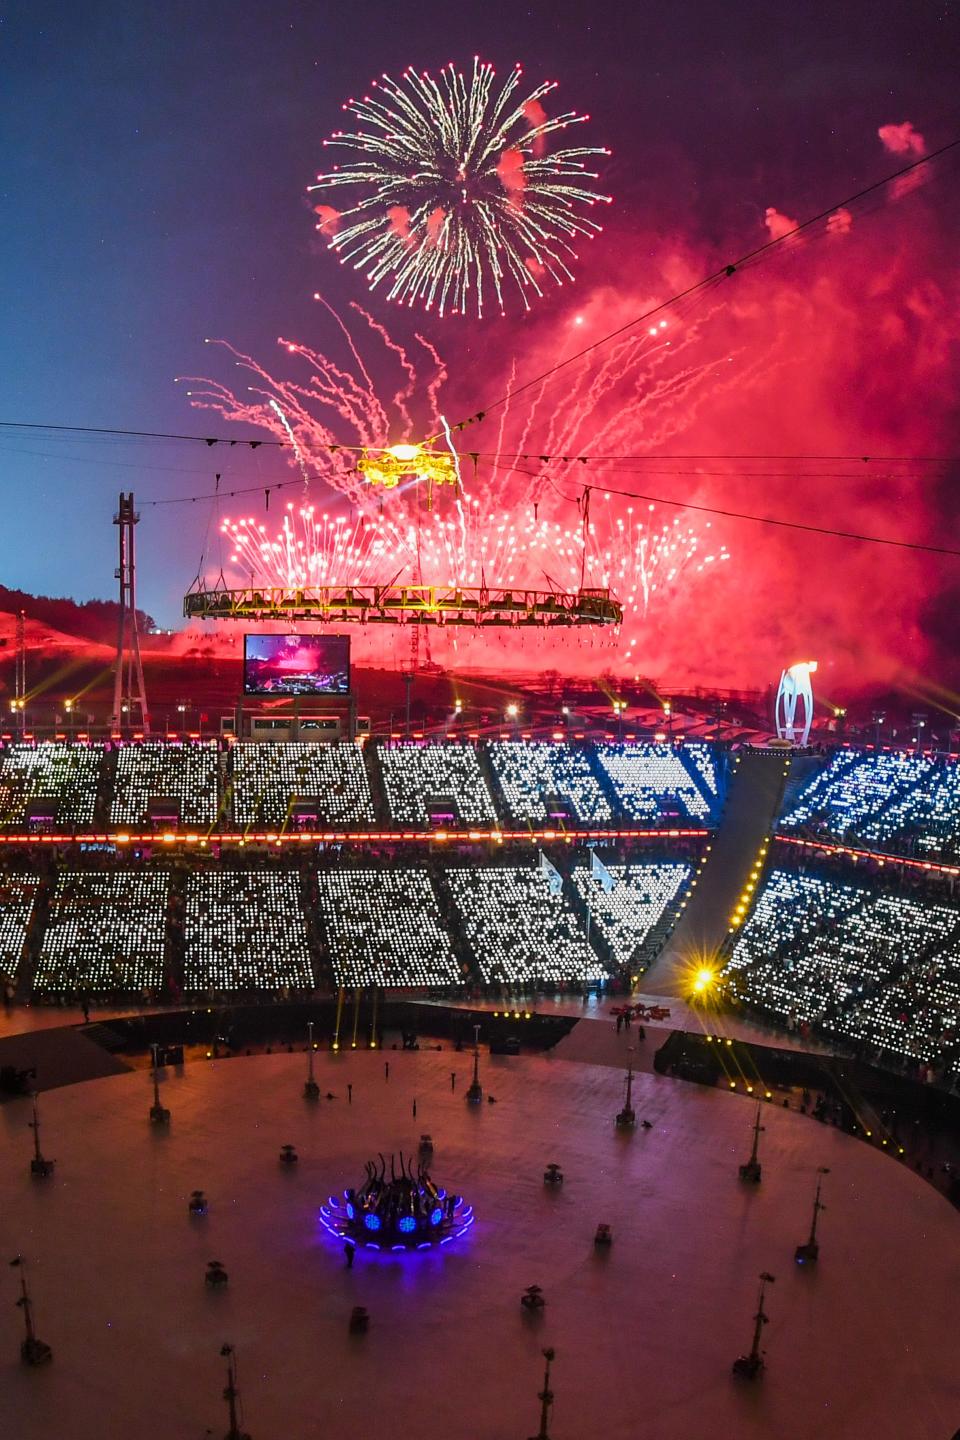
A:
x: 129, y: 690
x: 751, y: 1169
x: 753, y: 1364
x: 474, y: 1093
x: 809, y: 1252
x: 20, y: 688
x: 232, y: 1395
x: 545, y: 1396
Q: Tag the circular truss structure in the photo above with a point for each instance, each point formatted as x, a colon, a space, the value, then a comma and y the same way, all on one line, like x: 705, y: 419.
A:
x: 406, y: 605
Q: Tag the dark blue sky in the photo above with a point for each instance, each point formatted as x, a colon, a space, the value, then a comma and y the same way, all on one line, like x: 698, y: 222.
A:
x: 154, y: 158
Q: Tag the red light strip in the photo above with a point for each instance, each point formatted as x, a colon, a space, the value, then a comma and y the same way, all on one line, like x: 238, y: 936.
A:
x: 333, y: 837
x: 882, y: 856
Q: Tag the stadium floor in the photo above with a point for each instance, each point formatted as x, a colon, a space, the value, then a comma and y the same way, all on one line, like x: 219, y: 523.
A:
x: 644, y: 1334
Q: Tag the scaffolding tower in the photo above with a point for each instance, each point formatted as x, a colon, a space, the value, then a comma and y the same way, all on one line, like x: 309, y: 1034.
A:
x: 129, y: 690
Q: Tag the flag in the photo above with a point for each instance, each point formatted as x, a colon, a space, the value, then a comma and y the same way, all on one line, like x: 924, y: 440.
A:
x: 600, y: 873
x: 554, y: 878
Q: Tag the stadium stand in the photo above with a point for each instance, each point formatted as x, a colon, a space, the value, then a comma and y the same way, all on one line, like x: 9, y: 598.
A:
x: 701, y: 757
x: 651, y: 783
x: 18, y: 893
x: 49, y: 786
x: 105, y: 933
x: 383, y: 927
x: 245, y: 930
x: 154, y: 770
x: 872, y: 967
x: 852, y: 794
x: 926, y: 820
x: 542, y: 781
x: 518, y: 931
x: 636, y: 915
x: 326, y: 782
x: 429, y: 781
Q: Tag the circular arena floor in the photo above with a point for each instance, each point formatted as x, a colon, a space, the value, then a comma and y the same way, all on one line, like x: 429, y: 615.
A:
x: 863, y: 1346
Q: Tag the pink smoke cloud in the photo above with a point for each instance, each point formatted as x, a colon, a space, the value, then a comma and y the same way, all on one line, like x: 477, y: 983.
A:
x: 840, y: 222
x: 435, y: 225
x: 902, y: 139
x: 329, y: 219
x: 399, y: 218
x: 777, y: 224
x: 511, y: 172
x: 535, y: 116
x: 906, y: 142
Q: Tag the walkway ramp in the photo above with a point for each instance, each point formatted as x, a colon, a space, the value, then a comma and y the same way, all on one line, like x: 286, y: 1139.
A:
x: 753, y: 801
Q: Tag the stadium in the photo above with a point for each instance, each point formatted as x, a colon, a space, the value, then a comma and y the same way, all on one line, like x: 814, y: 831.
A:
x: 397, y: 922
x: 480, y: 722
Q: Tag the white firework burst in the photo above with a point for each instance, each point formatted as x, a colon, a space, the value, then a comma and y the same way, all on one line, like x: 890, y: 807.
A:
x: 457, y: 198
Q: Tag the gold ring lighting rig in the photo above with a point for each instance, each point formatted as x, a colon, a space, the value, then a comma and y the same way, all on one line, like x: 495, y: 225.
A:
x: 406, y: 605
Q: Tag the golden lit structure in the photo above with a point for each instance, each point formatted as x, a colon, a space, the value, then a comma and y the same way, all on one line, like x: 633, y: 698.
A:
x: 409, y: 462
x: 406, y: 605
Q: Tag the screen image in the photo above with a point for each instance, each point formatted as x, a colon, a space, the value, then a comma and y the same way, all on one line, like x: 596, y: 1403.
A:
x: 296, y: 665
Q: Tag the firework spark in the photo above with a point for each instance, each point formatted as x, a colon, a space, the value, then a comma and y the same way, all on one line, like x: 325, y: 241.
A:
x: 507, y: 522
x: 457, y: 197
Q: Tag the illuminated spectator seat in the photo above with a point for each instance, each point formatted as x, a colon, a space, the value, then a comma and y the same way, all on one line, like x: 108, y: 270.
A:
x: 926, y: 819
x: 703, y: 761
x: 157, y: 770
x: 637, y: 912
x: 880, y: 968
x: 852, y: 794
x: 420, y: 777
x: 58, y: 779
x: 517, y: 930
x: 245, y: 930
x: 18, y: 892
x: 534, y: 772
x: 383, y: 927
x: 651, y: 780
x: 105, y: 932
x: 270, y: 780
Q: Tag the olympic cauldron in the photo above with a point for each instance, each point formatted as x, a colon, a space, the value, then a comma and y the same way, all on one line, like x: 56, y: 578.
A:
x: 405, y: 1211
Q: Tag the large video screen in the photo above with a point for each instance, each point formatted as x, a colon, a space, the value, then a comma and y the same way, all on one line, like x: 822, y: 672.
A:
x: 296, y: 665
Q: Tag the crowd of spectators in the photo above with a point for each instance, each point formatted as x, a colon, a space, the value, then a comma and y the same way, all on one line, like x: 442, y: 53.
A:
x: 870, y: 965
x: 650, y: 781
x: 637, y: 913
x: 383, y: 927
x: 245, y: 930
x: 420, y: 776
x: 187, y: 774
x: 63, y: 776
x: 521, y: 931
x: 270, y: 781
x: 887, y: 800
x: 531, y: 773
x: 105, y: 933
x: 149, y: 783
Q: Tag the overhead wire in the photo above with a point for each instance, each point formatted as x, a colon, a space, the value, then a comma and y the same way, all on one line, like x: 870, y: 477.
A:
x: 724, y: 272
x: 825, y: 530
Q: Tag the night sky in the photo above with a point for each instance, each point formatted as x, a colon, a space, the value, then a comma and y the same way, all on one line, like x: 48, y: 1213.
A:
x: 155, y: 160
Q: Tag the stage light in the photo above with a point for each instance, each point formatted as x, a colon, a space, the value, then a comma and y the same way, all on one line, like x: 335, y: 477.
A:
x: 703, y: 980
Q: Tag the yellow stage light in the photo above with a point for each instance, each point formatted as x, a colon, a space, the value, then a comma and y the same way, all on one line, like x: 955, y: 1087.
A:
x: 703, y: 980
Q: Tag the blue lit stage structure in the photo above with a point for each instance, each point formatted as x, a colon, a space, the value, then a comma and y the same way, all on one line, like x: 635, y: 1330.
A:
x: 405, y: 1212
